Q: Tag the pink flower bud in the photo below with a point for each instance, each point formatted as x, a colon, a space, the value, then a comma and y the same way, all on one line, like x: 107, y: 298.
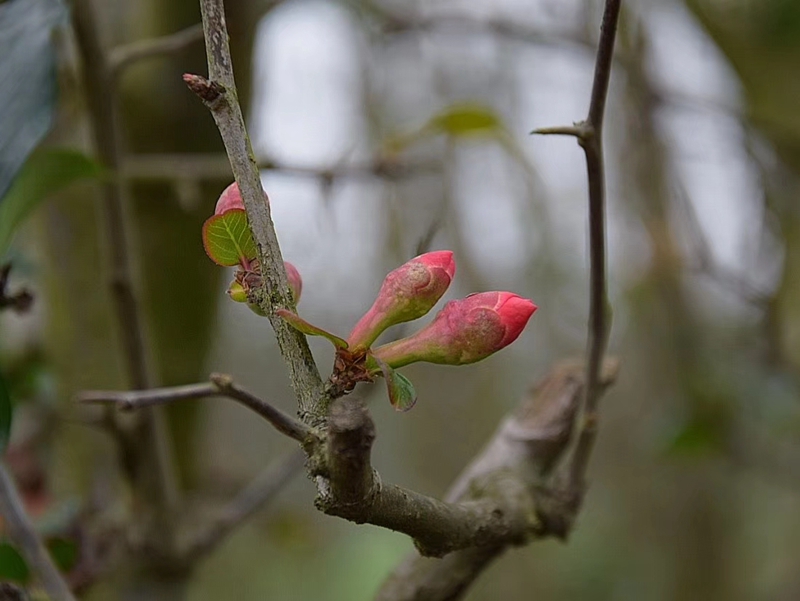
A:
x: 295, y: 281
x: 465, y: 331
x: 407, y: 293
x: 231, y: 198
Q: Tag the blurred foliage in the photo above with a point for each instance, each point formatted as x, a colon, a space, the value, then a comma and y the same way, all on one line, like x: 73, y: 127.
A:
x: 45, y: 173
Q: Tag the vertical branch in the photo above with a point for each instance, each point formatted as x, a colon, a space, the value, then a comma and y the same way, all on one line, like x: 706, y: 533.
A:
x: 98, y: 85
x: 22, y: 533
x: 599, y: 310
x: 590, y: 137
x: 219, y: 94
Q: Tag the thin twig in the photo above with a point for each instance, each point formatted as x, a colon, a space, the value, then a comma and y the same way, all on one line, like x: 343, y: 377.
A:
x: 155, y: 451
x: 212, y: 166
x: 23, y: 534
x: 220, y: 385
x: 590, y: 137
x: 124, y: 56
x: 259, y: 492
x: 219, y: 95
x: 599, y: 309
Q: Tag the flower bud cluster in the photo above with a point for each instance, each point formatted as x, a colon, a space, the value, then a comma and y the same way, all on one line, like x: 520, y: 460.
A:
x: 248, y: 276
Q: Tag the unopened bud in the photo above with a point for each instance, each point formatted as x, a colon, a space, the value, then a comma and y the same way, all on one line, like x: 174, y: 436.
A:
x: 464, y: 331
x: 237, y: 292
x: 295, y: 281
x: 231, y: 198
x: 407, y: 293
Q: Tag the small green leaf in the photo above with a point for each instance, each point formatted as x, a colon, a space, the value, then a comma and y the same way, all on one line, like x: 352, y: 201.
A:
x: 301, y: 325
x: 12, y: 565
x: 227, y: 238
x: 64, y: 552
x: 5, y: 415
x: 44, y: 173
x: 466, y: 120
x: 402, y: 395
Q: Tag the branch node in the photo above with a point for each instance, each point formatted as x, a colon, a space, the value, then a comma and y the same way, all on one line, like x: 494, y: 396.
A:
x: 207, y: 90
x: 222, y: 382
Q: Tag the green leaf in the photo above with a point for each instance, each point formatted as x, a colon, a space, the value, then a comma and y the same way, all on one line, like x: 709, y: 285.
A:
x: 45, y: 173
x: 459, y: 120
x: 227, y: 238
x: 5, y: 415
x: 402, y: 395
x: 301, y: 325
x: 64, y: 552
x: 466, y: 120
x: 12, y: 565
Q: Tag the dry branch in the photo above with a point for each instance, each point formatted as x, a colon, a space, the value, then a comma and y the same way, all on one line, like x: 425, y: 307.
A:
x: 220, y: 385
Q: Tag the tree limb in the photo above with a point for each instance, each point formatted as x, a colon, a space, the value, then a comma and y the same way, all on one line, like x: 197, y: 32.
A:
x: 220, y: 385
x: 526, y: 446
x: 219, y: 94
x: 354, y: 491
x: 22, y: 532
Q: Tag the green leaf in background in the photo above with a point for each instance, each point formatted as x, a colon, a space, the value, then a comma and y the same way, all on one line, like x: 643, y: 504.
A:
x: 29, y: 75
x: 12, y: 565
x: 696, y: 437
x: 5, y: 415
x: 301, y: 325
x: 45, y: 173
x: 459, y: 121
x: 227, y: 238
x: 64, y: 552
x: 466, y: 120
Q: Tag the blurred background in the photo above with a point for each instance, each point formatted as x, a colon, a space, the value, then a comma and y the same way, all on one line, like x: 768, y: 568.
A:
x: 389, y: 127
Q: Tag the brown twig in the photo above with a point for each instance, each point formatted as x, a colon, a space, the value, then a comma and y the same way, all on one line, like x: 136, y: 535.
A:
x: 220, y: 385
x: 219, y: 94
x: 22, y: 532
x: 124, y: 56
x: 590, y: 136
